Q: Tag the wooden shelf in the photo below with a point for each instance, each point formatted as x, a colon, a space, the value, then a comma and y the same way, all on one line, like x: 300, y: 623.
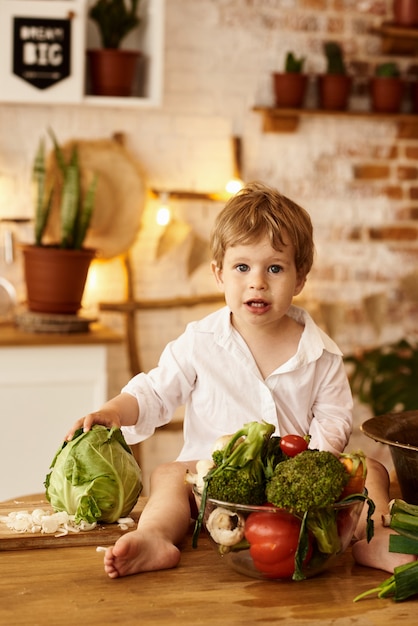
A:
x: 287, y: 120
x: 397, y: 39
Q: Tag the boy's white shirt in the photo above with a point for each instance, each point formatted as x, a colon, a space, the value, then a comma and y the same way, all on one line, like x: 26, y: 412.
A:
x: 211, y: 371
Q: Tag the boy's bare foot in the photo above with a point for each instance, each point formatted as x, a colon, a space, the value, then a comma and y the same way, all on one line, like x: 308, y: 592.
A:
x: 137, y: 552
x: 376, y: 553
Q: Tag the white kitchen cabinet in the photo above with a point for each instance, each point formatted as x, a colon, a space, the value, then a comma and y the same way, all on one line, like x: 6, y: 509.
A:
x: 44, y: 58
x: 44, y: 388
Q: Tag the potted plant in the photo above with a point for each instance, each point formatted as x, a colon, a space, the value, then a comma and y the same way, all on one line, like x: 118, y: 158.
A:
x: 386, y: 377
x: 405, y: 13
x: 290, y: 86
x: 56, y: 269
x: 386, y: 88
x: 112, y: 69
x: 335, y: 84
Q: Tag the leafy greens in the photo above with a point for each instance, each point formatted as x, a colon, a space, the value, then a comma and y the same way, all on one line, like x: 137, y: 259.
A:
x: 94, y: 476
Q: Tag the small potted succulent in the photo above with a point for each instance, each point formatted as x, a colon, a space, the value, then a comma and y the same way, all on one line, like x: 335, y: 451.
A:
x: 56, y: 264
x: 290, y: 86
x: 386, y: 88
x: 112, y: 69
x: 335, y: 84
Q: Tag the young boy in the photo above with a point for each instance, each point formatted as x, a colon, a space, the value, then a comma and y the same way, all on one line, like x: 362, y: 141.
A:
x: 257, y: 358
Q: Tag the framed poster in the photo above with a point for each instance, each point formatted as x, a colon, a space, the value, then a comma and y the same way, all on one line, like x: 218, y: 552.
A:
x: 43, y: 56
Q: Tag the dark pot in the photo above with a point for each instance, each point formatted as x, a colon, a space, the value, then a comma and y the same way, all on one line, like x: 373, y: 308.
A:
x: 112, y: 72
x: 400, y: 432
x: 289, y: 89
x: 334, y: 91
x: 55, y: 278
x: 386, y: 94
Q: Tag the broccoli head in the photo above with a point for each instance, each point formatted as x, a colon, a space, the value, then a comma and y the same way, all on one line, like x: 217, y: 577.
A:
x: 238, y: 485
x: 238, y: 475
x: 311, y: 479
x: 308, y: 484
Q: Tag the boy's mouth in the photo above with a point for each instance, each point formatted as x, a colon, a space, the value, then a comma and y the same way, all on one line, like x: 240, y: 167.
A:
x: 257, y: 304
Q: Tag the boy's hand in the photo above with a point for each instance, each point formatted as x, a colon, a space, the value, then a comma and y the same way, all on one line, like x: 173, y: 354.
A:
x: 102, y: 417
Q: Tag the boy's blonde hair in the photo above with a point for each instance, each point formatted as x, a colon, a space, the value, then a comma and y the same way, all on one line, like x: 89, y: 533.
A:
x: 258, y: 210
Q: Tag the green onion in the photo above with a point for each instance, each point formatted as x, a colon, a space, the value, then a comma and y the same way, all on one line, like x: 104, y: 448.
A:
x: 401, y: 585
x: 404, y: 518
x: 404, y: 507
x: 402, y: 544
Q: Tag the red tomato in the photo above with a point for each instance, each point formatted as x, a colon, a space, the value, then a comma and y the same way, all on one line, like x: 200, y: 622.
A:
x: 293, y: 444
x: 273, y: 539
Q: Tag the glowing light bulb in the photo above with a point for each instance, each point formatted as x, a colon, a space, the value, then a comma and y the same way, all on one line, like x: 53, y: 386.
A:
x: 234, y: 185
x: 163, y: 214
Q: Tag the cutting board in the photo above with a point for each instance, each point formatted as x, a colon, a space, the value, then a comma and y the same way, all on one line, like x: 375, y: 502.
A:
x: 102, y: 535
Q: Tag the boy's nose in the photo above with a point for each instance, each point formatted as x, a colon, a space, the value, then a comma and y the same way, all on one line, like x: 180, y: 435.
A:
x: 258, y: 281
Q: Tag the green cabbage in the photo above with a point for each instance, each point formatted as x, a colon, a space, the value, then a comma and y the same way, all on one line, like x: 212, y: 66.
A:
x: 94, y: 476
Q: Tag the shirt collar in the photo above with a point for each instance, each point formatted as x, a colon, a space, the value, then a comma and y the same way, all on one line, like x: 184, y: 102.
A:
x: 311, y: 346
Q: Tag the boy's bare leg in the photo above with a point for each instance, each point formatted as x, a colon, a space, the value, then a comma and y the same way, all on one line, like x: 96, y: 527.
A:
x: 376, y: 553
x: 163, y: 524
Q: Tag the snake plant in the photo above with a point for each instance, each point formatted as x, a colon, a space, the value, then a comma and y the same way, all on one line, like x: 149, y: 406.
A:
x: 75, y: 209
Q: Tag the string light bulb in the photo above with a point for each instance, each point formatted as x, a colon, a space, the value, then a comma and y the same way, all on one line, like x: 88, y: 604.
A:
x: 234, y: 185
x: 163, y: 213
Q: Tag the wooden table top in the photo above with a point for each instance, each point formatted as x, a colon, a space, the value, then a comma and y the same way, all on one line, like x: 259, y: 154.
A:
x: 67, y: 586
x: 13, y: 337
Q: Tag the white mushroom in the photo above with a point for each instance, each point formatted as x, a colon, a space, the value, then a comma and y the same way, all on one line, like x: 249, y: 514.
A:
x: 225, y: 527
x: 202, y: 468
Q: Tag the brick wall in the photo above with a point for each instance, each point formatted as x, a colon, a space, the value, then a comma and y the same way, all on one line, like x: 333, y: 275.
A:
x: 358, y: 178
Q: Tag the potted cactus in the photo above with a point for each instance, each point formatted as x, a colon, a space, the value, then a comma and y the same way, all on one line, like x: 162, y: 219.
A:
x: 290, y: 86
x: 386, y: 88
x: 112, y: 69
x: 56, y: 264
x: 335, y: 84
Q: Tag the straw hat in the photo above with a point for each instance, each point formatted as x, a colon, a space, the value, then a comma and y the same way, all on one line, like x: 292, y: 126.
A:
x: 119, y: 200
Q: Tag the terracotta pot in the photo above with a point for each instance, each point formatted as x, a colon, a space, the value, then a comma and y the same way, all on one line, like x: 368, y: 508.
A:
x: 414, y: 96
x: 112, y: 72
x: 334, y: 91
x: 55, y: 278
x: 405, y: 12
x: 289, y: 89
x: 386, y: 94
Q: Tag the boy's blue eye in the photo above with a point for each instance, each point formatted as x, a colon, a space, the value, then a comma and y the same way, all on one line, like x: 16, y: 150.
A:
x: 242, y: 267
x: 275, y: 269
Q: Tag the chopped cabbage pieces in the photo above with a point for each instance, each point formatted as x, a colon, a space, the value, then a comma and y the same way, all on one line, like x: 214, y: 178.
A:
x: 41, y: 521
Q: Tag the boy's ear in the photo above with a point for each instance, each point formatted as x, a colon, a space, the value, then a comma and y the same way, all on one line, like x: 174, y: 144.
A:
x: 300, y: 283
x: 217, y: 272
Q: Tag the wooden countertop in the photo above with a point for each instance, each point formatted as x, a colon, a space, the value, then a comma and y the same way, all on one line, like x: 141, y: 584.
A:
x: 66, y: 586
x: 12, y: 336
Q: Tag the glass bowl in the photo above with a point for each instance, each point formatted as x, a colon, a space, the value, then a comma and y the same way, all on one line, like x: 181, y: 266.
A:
x: 237, y: 553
